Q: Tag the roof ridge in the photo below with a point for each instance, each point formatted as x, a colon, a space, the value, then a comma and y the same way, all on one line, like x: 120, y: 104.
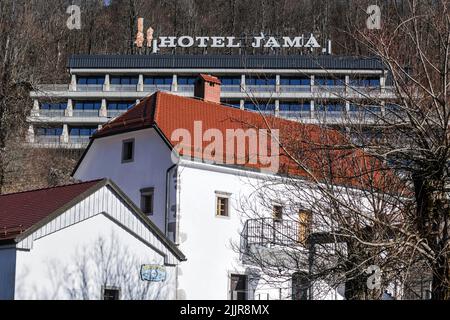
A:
x: 54, y: 187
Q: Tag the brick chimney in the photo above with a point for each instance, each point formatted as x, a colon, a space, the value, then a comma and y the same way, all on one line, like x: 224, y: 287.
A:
x: 207, y: 88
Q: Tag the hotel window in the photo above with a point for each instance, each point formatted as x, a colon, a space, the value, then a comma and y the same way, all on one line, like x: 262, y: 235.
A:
x: 365, y: 82
x: 127, y: 151
x: 110, y: 293
x: 230, y: 81
x: 329, y: 81
x: 263, y: 107
x: 294, y: 107
x: 150, y: 80
x: 82, y: 131
x: 304, y: 225
x: 260, y: 81
x: 147, y: 196
x: 222, y: 204
x: 329, y: 107
x: 49, y: 131
x: 53, y: 106
x: 186, y: 80
x: 121, y: 80
x: 120, y: 105
x: 232, y: 103
x: 295, y: 81
x: 277, y: 212
x: 91, y: 80
x: 87, y: 105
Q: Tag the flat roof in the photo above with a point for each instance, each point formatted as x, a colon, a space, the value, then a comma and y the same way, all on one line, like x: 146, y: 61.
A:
x: 185, y: 61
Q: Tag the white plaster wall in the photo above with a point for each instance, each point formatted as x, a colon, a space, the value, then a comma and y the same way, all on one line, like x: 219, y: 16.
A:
x: 50, y: 270
x: 7, y: 272
x: 151, y: 160
x: 208, y: 240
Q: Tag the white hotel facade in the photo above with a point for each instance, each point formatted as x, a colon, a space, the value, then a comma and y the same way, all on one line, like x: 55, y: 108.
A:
x: 302, y: 87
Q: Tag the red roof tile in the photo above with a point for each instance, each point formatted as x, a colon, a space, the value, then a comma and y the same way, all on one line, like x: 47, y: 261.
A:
x: 319, y: 149
x: 209, y: 78
x: 20, y: 211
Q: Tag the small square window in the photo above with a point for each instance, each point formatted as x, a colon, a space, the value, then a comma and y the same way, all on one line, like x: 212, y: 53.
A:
x: 128, y: 150
x: 147, y: 201
x: 110, y: 293
x: 222, y: 207
x: 278, y: 212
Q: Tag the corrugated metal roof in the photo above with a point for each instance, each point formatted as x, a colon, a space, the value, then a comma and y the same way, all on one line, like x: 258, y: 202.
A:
x: 160, y: 61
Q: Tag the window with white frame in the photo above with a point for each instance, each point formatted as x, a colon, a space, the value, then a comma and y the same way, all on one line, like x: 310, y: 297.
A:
x: 222, y: 204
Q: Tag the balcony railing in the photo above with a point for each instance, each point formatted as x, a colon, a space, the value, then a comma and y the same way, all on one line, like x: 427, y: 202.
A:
x: 54, y: 140
x: 329, y: 89
x: 267, y: 231
x: 51, y: 113
x: 52, y: 87
x: 157, y: 87
x: 231, y: 88
x: 115, y: 113
x: 188, y: 88
x: 85, y: 113
x: 89, y: 87
x: 260, y: 88
x: 123, y: 87
x: 83, y: 140
x: 295, y: 114
x: 294, y: 88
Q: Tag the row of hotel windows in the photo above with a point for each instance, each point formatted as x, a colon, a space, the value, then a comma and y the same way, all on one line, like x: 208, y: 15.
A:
x: 230, y: 80
x: 73, y: 131
x: 88, y: 105
x: 248, y: 105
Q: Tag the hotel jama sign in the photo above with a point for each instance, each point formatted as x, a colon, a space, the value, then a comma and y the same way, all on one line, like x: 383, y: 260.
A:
x: 261, y: 41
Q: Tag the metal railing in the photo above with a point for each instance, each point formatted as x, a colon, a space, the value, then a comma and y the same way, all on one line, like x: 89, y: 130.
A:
x: 115, y: 113
x: 50, y: 113
x: 79, y: 140
x: 260, y: 88
x: 123, y: 87
x: 328, y: 89
x: 231, y: 88
x: 185, y: 88
x: 268, y: 231
x: 295, y: 88
x: 89, y: 87
x: 47, y: 139
x: 86, y: 113
x: 306, y: 114
x: 52, y: 87
x: 157, y: 87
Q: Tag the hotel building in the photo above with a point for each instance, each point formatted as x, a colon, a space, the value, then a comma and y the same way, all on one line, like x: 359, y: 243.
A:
x: 311, y: 89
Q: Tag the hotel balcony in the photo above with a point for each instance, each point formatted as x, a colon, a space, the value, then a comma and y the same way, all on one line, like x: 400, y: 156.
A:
x: 273, y: 239
x: 56, y: 142
x: 269, y: 241
x: 132, y: 91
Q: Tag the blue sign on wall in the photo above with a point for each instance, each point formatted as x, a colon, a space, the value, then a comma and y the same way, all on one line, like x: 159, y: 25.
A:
x: 153, y: 273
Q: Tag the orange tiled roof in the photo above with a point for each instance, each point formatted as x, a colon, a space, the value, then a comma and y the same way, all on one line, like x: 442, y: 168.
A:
x: 322, y: 152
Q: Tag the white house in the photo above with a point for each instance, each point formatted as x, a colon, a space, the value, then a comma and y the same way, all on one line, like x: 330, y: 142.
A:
x: 82, y: 241
x: 195, y: 200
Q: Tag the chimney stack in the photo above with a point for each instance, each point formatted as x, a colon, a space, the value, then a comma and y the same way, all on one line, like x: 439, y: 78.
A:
x: 207, y: 88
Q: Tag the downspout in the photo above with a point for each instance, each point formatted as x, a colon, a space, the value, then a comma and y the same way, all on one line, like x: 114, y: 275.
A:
x: 167, y: 209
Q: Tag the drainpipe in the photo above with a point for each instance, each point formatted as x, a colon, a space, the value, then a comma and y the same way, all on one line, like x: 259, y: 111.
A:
x: 167, y: 209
